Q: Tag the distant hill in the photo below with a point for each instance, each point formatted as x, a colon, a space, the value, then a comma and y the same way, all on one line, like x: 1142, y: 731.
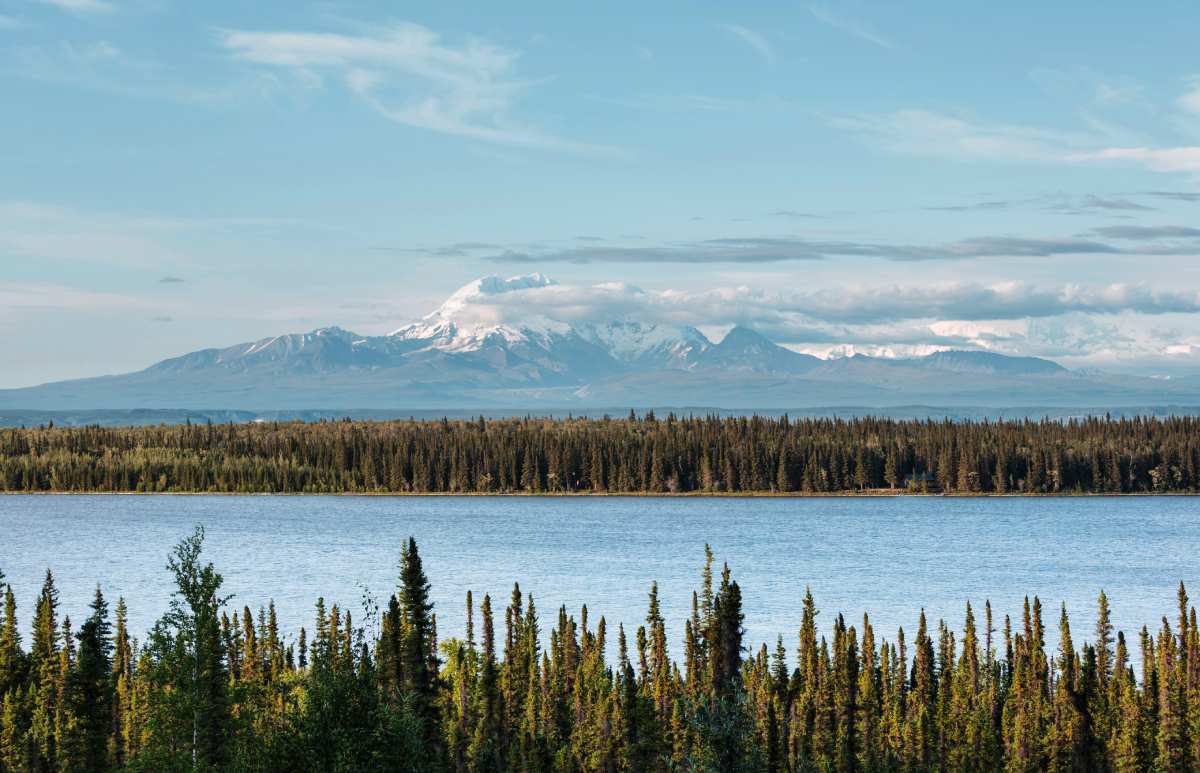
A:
x: 454, y: 360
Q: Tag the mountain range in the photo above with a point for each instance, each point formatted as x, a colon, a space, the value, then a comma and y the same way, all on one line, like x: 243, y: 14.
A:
x: 456, y: 358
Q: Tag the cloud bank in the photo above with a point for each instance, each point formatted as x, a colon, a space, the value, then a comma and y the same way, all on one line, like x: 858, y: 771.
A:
x: 1079, y: 324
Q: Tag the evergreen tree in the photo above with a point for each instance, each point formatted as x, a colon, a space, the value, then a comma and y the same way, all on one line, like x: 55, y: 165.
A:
x: 91, y: 690
x: 46, y: 667
x: 418, y: 654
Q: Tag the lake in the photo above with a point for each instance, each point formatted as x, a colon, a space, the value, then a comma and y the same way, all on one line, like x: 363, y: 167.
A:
x: 889, y: 555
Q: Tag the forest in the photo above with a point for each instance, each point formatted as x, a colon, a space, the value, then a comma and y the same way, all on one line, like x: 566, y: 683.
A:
x: 211, y: 688
x: 644, y: 454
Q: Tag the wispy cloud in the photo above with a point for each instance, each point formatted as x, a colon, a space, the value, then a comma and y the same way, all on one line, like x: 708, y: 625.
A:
x: 455, y: 250
x: 977, y: 206
x: 930, y: 133
x: 408, y: 74
x: 1056, y: 203
x: 858, y: 29
x: 80, y: 6
x: 1118, y: 204
x: 10, y: 22
x: 1184, y: 196
x: 940, y: 135
x: 1091, y: 205
x: 1148, y: 232
x: 743, y: 250
x: 1180, y: 159
x: 752, y: 39
x: 792, y: 213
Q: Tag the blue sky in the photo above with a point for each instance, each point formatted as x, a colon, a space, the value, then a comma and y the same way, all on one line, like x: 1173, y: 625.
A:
x: 843, y: 176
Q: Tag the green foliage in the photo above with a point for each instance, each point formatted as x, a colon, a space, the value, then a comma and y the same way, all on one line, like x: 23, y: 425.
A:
x: 711, y: 455
x: 209, y: 691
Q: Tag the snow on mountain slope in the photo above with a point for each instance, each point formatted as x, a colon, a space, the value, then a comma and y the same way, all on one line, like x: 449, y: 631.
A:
x: 466, y: 322
x: 477, y: 317
x: 525, y: 342
x: 631, y: 341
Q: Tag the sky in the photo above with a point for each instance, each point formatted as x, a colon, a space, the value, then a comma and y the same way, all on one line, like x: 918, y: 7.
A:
x: 842, y: 176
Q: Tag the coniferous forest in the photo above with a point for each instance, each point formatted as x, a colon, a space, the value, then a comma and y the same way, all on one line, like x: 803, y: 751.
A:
x: 215, y: 688
x: 645, y: 454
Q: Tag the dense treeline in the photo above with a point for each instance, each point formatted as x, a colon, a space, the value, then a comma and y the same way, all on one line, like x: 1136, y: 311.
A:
x: 648, y: 454
x: 207, y: 691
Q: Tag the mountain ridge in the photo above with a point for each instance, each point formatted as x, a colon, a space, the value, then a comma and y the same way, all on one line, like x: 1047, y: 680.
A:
x: 490, y: 345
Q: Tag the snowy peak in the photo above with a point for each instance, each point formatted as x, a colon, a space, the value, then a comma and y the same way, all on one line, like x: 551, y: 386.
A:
x: 523, y: 342
x: 466, y: 321
x: 477, y: 317
x: 631, y: 341
x: 488, y: 286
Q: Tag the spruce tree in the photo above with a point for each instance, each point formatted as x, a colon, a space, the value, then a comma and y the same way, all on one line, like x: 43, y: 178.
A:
x: 45, y: 668
x: 12, y: 661
x: 419, y: 661
x: 92, y: 687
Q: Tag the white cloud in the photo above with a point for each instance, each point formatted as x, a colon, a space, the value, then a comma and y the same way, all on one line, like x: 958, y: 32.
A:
x: 930, y: 133
x: 1083, y: 325
x: 858, y: 29
x: 752, y: 39
x: 1181, y: 159
x: 408, y: 74
x: 963, y: 303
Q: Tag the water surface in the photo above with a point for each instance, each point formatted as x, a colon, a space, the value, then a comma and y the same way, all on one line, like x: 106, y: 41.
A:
x: 891, y: 556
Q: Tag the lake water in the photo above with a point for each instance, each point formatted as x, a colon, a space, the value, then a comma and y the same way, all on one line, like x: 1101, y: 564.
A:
x: 891, y: 556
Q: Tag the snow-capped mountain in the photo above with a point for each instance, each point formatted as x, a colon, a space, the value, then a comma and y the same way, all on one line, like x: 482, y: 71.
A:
x: 471, y: 321
x: 460, y: 325
x: 517, y: 343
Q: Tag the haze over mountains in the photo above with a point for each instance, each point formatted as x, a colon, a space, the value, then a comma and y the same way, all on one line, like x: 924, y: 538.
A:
x: 463, y: 357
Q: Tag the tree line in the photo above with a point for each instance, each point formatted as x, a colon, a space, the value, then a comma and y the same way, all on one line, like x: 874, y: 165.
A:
x: 213, y: 692
x: 646, y: 454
